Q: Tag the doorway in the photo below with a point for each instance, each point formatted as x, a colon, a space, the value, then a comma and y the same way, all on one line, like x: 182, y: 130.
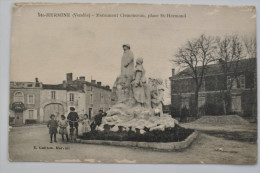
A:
x: 90, y: 113
x: 18, y: 118
x: 53, y: 108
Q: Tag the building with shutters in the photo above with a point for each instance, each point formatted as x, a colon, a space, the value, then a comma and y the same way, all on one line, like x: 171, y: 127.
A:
x: 24, y: 102
x: 243, y: 93
x: 97, y: 97
x: 57, y: 100
x: 34, y: 102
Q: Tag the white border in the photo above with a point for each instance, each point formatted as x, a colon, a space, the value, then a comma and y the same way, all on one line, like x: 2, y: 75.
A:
x: 6, y: 167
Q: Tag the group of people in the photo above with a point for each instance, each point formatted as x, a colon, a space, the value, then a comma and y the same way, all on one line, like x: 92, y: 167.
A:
x: 72, y: 121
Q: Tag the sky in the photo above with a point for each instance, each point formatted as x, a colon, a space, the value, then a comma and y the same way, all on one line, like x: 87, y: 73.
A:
x: 50, y: 47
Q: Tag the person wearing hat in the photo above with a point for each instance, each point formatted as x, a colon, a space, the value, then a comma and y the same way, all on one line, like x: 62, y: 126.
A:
x: 97, y: 120
x: 52, y: 125
x: 127, y: 62
x: 73, y: 118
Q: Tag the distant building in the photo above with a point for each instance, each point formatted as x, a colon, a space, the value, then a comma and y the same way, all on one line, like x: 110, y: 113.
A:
x: 24, y: 102
x: 57, y: 100
x: 34, y: 102
x: 243, y: 96
x: 97, y: 97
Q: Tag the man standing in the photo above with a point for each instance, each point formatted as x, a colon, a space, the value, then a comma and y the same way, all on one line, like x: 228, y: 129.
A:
x: 98, y: 118
x: 73, y: 118
x: 127, y: 62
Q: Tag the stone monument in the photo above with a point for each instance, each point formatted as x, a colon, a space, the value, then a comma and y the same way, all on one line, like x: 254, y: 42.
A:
x: 137, y: 101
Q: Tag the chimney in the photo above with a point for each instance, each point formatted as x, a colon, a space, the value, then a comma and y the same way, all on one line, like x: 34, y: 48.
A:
x: 37, y: 84
x: 82, y: 78
x: 93, y: 81
x: 99, y: 83
x: 173, y: 72
x: 64, y: 84
x: 69, y: 77
x: 107, y: 87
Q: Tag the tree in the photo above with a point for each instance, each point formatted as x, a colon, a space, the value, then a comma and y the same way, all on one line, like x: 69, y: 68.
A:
x: 196, y: 55
x: 229, y: 54
x: 250, y: 45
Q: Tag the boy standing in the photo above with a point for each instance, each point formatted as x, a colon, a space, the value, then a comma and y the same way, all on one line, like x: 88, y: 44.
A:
x: 52, y: 125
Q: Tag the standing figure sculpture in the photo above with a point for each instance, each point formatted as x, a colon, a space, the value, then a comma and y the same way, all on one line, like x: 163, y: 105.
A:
x: 122, y: 91
x: 127, y: 62
x: 139, y: 83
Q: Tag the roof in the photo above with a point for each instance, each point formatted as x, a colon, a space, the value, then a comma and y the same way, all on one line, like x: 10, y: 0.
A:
x: 60, y: 87
x: 214, y: 69
x: 81, y: 82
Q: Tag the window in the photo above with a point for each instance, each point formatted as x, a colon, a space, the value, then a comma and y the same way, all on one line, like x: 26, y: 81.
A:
x: 228, y: 82
x: 30, y: 114
x: 71, y: 97
x: 250, y: 80
x: 53, y: 94
x: 91, y: 99
x: 89, y: 88
x: 18, y: 97
x: 30, y: 99
x: 242, y: 81
x: 102, y: 99
x: 29, y: 85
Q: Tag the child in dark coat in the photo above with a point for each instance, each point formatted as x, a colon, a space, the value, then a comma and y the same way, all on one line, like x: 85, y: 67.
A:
x: 52, y: 125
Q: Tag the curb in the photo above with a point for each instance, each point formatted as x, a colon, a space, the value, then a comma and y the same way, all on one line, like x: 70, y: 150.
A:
x: 28, y: 126
x: 172, y: 146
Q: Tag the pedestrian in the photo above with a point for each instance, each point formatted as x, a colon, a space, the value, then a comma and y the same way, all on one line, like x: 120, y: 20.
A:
x: 63, y: 124
x: 98, y: 118
x: 73, y: 118
x: 52, y: 125
x: 85, y: 125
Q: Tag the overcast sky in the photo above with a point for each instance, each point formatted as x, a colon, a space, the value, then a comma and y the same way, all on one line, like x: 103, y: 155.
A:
x: 48, y: 48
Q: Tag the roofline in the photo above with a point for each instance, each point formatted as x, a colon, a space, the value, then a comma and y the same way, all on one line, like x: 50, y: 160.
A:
x: 246, y: 59
x: 187, y: 77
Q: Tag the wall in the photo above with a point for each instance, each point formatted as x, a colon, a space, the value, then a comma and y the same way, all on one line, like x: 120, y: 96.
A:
x: 35, y: 106
x: 45, y: 94
x: 78, y: 103
x: 96, y: 94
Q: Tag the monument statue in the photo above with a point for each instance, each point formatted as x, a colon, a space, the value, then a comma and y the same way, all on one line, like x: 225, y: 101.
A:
x: 127, y: 62
x: 139, y: 81
x: 137, y: 103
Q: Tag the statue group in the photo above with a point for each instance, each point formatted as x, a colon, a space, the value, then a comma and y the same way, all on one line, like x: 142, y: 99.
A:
x: 137, y: 102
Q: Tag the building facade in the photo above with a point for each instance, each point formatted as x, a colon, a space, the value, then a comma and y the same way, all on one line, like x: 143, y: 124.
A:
x: 34, y: 102
x: 97, y: 97
x: 242, y: 98
x: 24, y: 102
x: 57, y: 100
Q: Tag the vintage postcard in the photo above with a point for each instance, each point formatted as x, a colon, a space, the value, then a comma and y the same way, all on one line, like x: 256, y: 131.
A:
x: 133, y: 83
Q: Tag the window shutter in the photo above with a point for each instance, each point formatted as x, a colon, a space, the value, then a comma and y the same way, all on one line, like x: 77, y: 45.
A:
x: 242, y: 81
x: 34, y: 114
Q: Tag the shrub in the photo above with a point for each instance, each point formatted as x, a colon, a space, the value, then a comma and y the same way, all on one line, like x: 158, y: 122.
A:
x: 30, y: 121
x: 175, y: 134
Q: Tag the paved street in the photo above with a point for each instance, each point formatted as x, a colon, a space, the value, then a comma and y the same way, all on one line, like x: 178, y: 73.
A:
x: 206, y: 149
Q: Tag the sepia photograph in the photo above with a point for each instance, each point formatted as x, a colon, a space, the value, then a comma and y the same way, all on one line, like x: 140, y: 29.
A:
x: 133, y: 83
